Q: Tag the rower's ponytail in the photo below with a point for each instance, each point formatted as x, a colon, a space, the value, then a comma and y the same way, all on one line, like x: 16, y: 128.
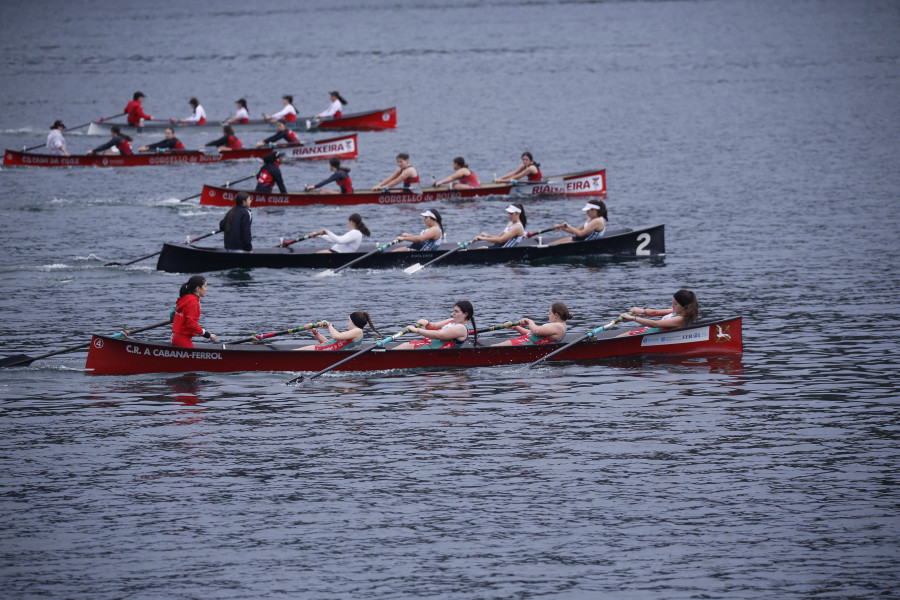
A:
x: 191, y: 286
x: 688, y: 301
x: 466, y: 307
x: 356, y: 218
x: 360, y: 318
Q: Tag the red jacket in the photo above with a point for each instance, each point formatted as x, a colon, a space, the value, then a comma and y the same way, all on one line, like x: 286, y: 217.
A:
x: 187, y: 316
x: 135, y: 111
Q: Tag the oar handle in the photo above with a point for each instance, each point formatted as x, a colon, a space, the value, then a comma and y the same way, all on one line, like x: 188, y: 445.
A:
x: 496, y: 327
x: 257, y: 337
x: 534, y: 233
x: 289, y: 242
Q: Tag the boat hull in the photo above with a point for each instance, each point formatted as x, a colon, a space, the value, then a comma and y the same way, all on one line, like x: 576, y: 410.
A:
x: 116, y: 356
x: 373, y: 120
x: 342, y: 147
x: 641, y: 243
x: 583, y: 183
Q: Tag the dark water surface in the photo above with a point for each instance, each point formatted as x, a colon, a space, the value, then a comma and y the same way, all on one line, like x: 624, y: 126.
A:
x: 764, y: 134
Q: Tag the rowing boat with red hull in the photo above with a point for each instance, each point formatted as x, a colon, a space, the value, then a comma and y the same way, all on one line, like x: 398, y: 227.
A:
x: 582, y: 183
x: 372, y: 120
x: 116, y: 356
x: 342, y: 147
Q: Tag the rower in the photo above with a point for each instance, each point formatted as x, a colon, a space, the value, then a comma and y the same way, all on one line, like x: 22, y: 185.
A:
x: 228, y: 141
x: 56, y: 143
x: 528, y: 169
x: 514, y: 231
x: 343, y: 340
x: 684, y: 311
x: 339, y: 175
x: 334, y: 109
x: 236, y: 225
x: 441, y: 335
x: 242, y: 115
x: 288, y: 113
x: 135, y: 110
x: 186, y: 320
x: 283, y: 133
x: 169, y: 143
x: 549, y: 333
x: 463, y: 177
x: 405, y: 174
x: 118, y: 139
x: 270, y: 174
x: 592, y: 229
x: 427, y: 239
x: 198, y: 117
x: 349, y: 242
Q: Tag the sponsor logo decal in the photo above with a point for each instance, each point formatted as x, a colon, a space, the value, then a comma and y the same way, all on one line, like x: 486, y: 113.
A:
x: 670, y: 338
x: 723, y: 335
x: 174, y: 353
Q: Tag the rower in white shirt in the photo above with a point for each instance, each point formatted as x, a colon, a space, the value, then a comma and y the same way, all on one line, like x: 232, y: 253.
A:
x: 56, y: 143
x: 349, y: 242
x: 198, y: 117
x: 334, y: 109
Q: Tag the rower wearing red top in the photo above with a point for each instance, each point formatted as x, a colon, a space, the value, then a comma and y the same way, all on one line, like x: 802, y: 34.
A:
x: 198, y: 117
x: 135, y: 110
x: 449, y: 333
x: 429, y: 238
x: 170, y: 143
x: 186, y: 321
x: 118, y: 139
x: 465, y: 179
x: 288, y: 113
x: 343, y: 340
x: 405, y: 174
x: 549, y: 333
x: 283, y: 133
x: 270, y: 174
x: 529, y: 169
x: 241, y: 116
x: 684, y: 312
x: 229, y: 141
x: 334, y: 109
x: 339, y: 175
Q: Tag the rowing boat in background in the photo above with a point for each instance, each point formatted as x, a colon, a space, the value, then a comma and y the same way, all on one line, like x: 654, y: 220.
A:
x: 342, y: 147
x: 582, y: 183
x: 373, y: 120
x: 117, y: 356
x: 649, y: 242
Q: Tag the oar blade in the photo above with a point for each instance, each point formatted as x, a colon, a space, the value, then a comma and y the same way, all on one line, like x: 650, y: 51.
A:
x: 326, y: 273
x: 414, y: 268
x: 18, y: 360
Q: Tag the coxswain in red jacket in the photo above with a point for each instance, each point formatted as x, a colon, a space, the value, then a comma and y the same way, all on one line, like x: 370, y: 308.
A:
x: 186, y: 320
x: 118, y: 139
x: 135, y: 110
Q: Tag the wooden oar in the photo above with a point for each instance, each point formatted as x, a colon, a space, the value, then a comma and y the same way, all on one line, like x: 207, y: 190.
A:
x: 284, y: 244
x: 418, y: 267
x: 378, y: 249
x: 580, y: 338
x: 22, y: 359
x: 190, y: 241
x: 264, y: 336
x: 76, y: 127
x: 376, y: 345
x: 227, y: 184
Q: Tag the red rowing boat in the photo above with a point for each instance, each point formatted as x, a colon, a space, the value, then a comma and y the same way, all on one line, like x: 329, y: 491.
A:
x: 583, y: 183
x: 116, y: 356
x: 372, y: 120
x: 342, y: 147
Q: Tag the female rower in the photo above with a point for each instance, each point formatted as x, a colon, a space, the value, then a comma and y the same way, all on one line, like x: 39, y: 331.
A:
x: 56, y: 143
x: 529, y: 169
x: 592, y: 229
x: 170, y: 143
x: 118, y: 139
x: 340, y: 175
x: 229, y: 141
x: 270, y: 174
x: 242, y: 115
x: 186, y: 321
x: 198, y: 117
x: 236, y: 225
x: 288, y: 113
x: 349, y: 242
x: 515, y: 229
x: 405, y: 174
x: 334, y: 109
x: 684, y: 312
x: 283, y: 133
x: 343, y: 340
x: 135, y: 110
x: 429, y: 238
x: 551, y: 332
x: 465, y: 179
x: 449, y: 333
